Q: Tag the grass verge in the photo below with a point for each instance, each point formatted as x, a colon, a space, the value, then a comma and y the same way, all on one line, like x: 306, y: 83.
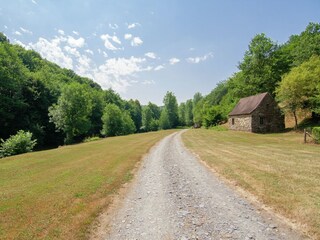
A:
x: 56, y: 194
x: 279, y: 169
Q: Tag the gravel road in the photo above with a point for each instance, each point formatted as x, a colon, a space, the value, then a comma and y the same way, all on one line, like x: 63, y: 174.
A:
x: 174, y: 196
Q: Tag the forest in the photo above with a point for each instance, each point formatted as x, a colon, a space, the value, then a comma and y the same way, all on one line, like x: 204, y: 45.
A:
x: 57, y: 106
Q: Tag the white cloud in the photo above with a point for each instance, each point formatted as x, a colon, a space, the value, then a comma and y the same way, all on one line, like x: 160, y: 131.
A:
x: 108, y: 44
x: 116, y: 39
x: 127, y: 36
x: 151, y: 55
x: 196, y: 60
x: 20, y: 43
x: 105, y: 54
x: 113, y: 26
x: 25, y: 30
x: 75, y: 33
x: 119, y: 73
x: 72, y: 51
x: 148, y: 82
x: 133, y: 25
x: 89, y: 51
x: 34, y: 2
x: 173, y: 61
x: 5, y: 26
x: 61, y: 32
x: 136, y: 41
x: 51, y: 50
x: 17, y: 33
x: 76, y: 42
x: 157, y: 68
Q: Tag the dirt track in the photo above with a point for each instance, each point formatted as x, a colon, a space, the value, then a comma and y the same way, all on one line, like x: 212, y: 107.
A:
x: 174, y: 196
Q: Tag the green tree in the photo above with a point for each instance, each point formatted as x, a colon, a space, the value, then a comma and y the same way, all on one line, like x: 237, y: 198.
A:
x: 171, y: 107
x: 189, y: 113
x: 211, y: 116
x: 135, y: 110
x: 128, y: 125
x: 116, y: 122
x: 156, y: 111
x: 182, y: 114
x: 112, y: 120
x: 301, y: 47
x: 146, y: 118
x: 72, y: 112
x: 164, y: 121
x: 300, y: 88
x: 261, y: 66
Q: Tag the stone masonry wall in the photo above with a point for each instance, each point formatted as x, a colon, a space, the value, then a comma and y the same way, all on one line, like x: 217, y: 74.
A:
x: 273, y: 120
x: 241, y: 123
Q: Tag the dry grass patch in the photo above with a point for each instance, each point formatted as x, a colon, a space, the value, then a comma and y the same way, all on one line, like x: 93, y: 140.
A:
x: 56, y: 194
x: 279, y: 169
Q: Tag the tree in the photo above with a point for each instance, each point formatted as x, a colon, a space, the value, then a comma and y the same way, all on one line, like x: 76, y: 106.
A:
x: 115, y: 122
x: 182, y: 114
x: 72, y: 112
x: 12, y: 81
x: 128, y: 125
x: 189, y: 113
x: 155, y: 110
x: 164, y: 121
x: 301, y: 47
x: 146, y: 118
x: 211, y: 116
x: 300, y: 88
x: 171, y: 107
x: 112, y: 120
x: 135, y: 110
x: 260, y: 66
x: 111, y: 96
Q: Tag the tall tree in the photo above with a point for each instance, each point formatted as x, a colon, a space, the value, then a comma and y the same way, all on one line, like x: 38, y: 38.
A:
x: 189, y: 113
x: 262, y: 66
x: 301, y: 88
x: 146, y: 118
x: 182, y: 114
x: 72, y: 112
x: 164, y: 121
x: 171, y: 107
x: 135, y: 110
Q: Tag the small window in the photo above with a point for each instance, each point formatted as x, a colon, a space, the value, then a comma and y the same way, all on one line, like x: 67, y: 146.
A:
x: 232, y: 120
x: 261, y: 120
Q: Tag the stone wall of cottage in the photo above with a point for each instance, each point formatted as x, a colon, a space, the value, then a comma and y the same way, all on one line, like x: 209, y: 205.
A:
x: 267, y: 117
x: 240, y: 123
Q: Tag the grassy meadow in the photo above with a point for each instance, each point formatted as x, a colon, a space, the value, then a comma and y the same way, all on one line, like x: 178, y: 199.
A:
x: 279, y: 169
x: 56, y: 194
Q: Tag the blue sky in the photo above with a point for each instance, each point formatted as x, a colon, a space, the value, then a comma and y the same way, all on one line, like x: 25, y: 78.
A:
x: 144, y: 48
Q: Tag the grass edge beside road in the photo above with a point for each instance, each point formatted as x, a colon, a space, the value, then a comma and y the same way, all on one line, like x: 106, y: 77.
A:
x: 277, y: 169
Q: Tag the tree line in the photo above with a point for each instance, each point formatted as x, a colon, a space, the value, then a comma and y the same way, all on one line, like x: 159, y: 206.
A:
x: 290, y: 72
x: 57, y: 106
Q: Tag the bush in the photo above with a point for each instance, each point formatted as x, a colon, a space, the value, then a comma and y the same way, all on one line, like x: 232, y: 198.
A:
x: 16, y: 144
x: 316, y: 134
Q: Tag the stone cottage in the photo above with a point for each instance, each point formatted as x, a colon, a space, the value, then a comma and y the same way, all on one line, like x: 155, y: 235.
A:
x: 259, y: 114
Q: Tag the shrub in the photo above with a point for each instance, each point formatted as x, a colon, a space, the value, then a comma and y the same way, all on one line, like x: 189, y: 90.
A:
x: 316, y: 134
x: 16, y: 144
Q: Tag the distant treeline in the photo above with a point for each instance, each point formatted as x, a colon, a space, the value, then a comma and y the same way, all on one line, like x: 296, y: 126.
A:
x: 57, y: 106
x: 290, y: 72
